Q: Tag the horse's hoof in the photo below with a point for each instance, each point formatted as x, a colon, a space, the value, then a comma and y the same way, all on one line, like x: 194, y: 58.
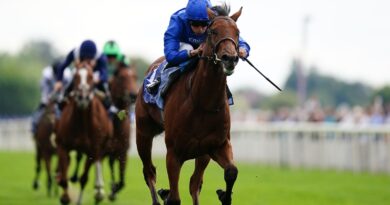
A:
x: 74, y: 179
x: 163, y: 193
x: 221, y: 195
x: 114, y: 188
x: 225, y: 200
x: 112, y: 197
x: 35, y: 185
x: 99, y: 196
x: 65, y: 200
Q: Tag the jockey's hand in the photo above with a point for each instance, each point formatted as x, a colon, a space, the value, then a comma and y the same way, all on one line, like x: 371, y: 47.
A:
x: 197, y: 51
x: 242, y: 52
x: 57, y: 86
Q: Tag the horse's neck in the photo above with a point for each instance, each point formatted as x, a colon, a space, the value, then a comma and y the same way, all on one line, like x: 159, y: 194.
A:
x: 209, y: 86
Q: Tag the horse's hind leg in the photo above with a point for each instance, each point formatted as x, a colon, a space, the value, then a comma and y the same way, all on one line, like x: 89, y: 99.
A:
x: 224, y: 157
x: 37, y: 168
x: 171, y: 196
x: 197, y: 178
x: 144, y: 146
x: 49, y: 174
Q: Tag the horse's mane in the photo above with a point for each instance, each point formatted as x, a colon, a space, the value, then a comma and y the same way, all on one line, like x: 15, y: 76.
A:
x: 222, y: 10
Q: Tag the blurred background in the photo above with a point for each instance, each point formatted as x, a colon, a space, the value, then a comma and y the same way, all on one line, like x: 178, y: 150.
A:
x: 330, y: 123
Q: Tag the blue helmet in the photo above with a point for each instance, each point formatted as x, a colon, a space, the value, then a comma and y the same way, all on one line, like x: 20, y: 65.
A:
x: 88, y: 50
x: 196, y: 10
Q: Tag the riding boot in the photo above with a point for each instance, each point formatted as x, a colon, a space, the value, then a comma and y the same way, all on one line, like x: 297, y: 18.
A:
x: 36, y: 117
x: 107, y: 102
x: 152, y: 87
x: 171, y: 79
x: 229, y: 95
x: 133, y: 97
x: 61, y: 100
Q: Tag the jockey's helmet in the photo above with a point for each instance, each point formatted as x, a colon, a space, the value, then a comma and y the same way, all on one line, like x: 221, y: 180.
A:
x: 197, y: 10
x: 111, y: 49
x: 88, y: 49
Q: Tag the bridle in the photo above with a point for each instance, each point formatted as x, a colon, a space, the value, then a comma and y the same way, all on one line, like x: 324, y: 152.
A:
x: 84, y: 92
x: 214, y: 57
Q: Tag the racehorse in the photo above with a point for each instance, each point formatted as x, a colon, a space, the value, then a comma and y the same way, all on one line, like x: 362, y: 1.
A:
x: 196, y: 117
x: 45, y: 149
x: 85, y: 127
x: 123, y: 89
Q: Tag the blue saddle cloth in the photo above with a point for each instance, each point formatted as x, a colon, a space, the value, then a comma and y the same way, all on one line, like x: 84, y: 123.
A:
x: 164, y: 73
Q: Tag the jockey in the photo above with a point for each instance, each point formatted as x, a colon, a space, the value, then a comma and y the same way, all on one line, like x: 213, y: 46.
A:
x: 87, y: 52
x: 114, y: 56
x: 186, y: 31
x: 116, y: 60
x: 47, y: 87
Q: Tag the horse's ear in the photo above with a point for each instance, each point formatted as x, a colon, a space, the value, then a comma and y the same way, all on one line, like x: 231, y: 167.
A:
x: 236, y: 15
x: 211, y: 14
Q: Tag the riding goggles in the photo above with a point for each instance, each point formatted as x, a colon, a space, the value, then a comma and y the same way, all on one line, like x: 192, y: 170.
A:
x: 199, y: 23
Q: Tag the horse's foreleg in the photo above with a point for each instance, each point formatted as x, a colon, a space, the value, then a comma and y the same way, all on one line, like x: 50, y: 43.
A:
x: 171, y: 196
x: 84, y: 177
x: 37, y: 168
x: 197, y: 177
x: 116, y: 187
x: 99, y: 183
x: 144, y: 146
x: 111, y: 162
x: 62, y: 179
x: 74, y: 177
x: 224, y: 157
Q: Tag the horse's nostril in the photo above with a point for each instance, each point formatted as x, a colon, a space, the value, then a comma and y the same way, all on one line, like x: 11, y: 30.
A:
x: 225, y: 57
x: 228, y: 58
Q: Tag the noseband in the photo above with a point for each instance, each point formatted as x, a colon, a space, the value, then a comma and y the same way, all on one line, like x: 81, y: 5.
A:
x: 210, y: 32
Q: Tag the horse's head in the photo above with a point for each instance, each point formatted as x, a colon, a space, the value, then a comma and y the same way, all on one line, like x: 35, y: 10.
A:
x: 222, y: 40
x: 83, y: 85
x: 122, y: 87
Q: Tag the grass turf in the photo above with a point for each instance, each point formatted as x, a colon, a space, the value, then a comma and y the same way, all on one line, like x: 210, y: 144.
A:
x: 256, y: 185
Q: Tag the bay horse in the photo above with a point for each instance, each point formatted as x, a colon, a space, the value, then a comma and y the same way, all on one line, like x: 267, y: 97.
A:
x: 123, y: 89
x: 196, y: 117
x: 45, y: 149
x: 85, y: 127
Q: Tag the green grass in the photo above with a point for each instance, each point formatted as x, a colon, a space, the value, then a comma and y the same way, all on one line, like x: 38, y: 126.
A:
x: 256, y: 185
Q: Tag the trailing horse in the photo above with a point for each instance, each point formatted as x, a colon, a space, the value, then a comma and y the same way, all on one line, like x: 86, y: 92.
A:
x: 45, y: 149
x: 196, y: 117
x: 123, y: 92
x: 85, y: 127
